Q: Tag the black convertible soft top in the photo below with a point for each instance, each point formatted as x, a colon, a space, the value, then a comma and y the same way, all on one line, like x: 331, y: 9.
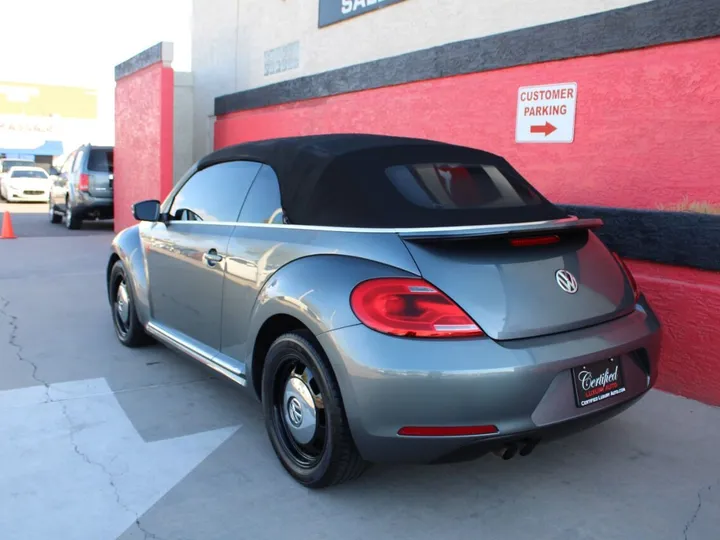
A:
x: 347, y: 180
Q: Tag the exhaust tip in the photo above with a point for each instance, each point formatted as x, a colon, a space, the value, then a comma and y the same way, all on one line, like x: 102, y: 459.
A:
x: 527, y: 449
x: 506, y: 452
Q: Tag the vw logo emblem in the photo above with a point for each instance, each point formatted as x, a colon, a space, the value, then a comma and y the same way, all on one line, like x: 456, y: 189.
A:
x: 295, y: 412
x: 566, y: 281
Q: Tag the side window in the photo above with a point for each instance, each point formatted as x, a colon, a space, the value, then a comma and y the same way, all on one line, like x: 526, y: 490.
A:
x: 263, y: 201
x: 216, y: 193
x: 68, y: 163
x: 78, y: 161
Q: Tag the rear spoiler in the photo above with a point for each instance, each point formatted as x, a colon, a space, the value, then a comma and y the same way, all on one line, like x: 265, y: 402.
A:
x: 508, y: 229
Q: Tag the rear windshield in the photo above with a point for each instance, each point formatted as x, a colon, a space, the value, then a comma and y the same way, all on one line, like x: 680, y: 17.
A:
x: 9, y: 164
x: 100, y: 160
x: 29, y: 174
x: 455, y: 186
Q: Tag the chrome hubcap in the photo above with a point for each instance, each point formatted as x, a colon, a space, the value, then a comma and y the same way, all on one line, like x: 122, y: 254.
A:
x: 122, y: 304
x: 299, y: 410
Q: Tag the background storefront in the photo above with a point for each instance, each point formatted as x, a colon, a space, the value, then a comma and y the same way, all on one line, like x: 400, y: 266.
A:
x: 45, y: 122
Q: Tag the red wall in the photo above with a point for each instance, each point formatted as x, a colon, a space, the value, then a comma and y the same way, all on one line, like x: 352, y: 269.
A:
x: 643, y: 133
x: 143, y: 139
x: 688, y: 303
x: 647, y: 133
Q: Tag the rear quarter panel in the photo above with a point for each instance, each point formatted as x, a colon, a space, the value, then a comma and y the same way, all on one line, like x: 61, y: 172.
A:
x: 307, y: 274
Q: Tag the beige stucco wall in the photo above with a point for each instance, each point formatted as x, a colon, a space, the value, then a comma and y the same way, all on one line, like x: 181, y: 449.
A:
x: 182, y: 124
x: 231, y: 37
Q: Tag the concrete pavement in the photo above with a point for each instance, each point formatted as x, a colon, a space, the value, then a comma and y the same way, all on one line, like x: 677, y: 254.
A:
x: 100, y: 442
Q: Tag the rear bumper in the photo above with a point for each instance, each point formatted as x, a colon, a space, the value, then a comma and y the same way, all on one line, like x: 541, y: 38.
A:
x: 473, y: 450
x: 523, y: 386
x: 94, y: 208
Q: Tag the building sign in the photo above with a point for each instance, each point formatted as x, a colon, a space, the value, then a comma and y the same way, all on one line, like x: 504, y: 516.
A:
x: 282, y: 58
x: 332, y: 11
x: 546, y: 114
x: 42, y: 100
x: 28, y: 124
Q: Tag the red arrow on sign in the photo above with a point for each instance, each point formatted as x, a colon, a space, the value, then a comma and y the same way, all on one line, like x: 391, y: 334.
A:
x: 547, y: 129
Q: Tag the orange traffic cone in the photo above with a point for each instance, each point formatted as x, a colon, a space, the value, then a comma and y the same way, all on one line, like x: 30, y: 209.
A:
x: 7, y: 229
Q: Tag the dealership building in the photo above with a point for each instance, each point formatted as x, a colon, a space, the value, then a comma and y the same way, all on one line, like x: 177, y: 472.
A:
x: 609, y: 107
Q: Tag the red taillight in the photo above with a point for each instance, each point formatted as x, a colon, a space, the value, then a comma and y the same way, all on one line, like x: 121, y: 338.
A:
x: 628, y: 273
x: 84, y: 183
x: 410, y: 307
x: 535, y: 241
x: 454, y: 431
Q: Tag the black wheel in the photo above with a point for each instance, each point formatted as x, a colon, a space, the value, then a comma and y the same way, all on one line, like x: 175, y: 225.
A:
x: 72, y: 219
x: 128, y: 328
x: 304, y: 414
x: 52, y: 213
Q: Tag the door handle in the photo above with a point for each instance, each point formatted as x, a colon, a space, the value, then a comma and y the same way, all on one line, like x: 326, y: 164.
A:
x: 212, y: 257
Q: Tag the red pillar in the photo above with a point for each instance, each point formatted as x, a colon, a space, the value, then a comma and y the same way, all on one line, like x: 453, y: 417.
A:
x: 143, y: 130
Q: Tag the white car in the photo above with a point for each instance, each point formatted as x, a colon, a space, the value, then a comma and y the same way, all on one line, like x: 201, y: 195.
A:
x: 29, y: 184
x: 8, y: 163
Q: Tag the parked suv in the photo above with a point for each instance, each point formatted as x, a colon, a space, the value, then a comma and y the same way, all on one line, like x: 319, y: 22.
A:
x: 83, y: 188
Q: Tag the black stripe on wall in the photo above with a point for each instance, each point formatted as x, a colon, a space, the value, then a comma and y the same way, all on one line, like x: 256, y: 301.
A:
x: 644, y: 25
x: 678, y: 238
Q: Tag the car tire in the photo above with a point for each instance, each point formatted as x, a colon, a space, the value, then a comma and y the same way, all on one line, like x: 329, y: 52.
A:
x: 315, y: 445
x: 52, y: 214
x: 128, y: 328
x: 72, y: 220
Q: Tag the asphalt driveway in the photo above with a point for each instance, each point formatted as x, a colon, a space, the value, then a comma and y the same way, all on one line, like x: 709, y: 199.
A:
x: 101, y: 442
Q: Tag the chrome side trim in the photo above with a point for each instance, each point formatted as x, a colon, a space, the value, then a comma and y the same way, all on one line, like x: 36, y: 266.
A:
x: 217, y: 363
x: 416, y: 232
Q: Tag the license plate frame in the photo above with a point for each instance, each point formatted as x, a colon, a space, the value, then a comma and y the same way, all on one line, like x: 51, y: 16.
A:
x: 597, y: 381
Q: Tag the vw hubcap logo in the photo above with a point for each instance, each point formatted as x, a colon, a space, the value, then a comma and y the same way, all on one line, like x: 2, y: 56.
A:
x: 566, y: 281
x: 295, y: 413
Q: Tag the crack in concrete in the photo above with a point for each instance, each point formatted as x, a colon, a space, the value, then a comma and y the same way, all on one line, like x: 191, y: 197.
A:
x: 147, y: 535
x: 12, y: 341
x: 692, y: 519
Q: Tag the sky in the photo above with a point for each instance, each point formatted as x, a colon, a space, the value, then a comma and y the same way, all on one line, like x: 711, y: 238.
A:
x: 79, y: 42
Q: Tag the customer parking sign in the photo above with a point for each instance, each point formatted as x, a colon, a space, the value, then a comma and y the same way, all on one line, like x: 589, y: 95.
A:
x: 546, y: 114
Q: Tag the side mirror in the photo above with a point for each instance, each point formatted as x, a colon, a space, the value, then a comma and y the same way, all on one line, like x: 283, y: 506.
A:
x: 147, y: 210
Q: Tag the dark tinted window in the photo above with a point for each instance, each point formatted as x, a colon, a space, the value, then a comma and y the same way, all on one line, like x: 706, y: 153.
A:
x: 29, y: 174
x: 263, y: 201
x: 448, y: 186
x: 100, y: 160
x: 216, y: 193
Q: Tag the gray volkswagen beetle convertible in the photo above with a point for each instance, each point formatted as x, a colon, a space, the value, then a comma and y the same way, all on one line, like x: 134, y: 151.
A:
x: 387, y: 299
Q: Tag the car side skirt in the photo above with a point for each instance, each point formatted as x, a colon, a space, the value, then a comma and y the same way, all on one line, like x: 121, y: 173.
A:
x: 211, y: 358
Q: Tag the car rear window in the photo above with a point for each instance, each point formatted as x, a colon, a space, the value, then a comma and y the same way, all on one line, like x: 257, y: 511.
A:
x: 29, y: 174
x: 100, y: 160
x: 451, y: 186
x: 7, y: 165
